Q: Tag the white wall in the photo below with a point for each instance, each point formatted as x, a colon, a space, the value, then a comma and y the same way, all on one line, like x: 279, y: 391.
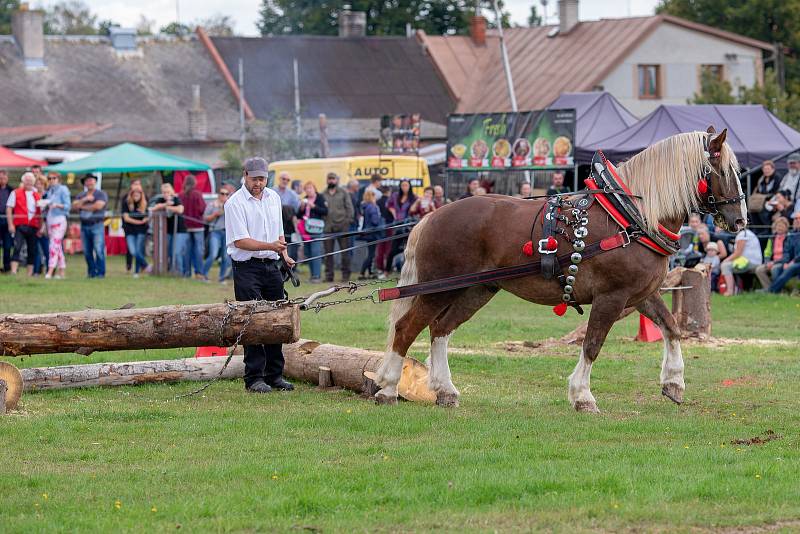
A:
x: 680, y: 52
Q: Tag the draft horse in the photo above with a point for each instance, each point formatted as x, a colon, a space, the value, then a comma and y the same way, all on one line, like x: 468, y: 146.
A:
x: 485, y: 232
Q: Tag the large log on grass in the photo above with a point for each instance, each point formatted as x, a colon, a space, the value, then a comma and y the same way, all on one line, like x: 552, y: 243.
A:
x: 148, y: 328
x: 343, y: 367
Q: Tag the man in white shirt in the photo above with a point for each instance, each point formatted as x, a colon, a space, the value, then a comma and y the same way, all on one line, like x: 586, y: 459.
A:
x: 255, y: 241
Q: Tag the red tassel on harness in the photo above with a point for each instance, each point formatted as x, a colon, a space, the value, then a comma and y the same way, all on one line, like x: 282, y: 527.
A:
x: 702, y: 186
x: 527, y: 248
x: 552, y: 244
x: 560, y: 309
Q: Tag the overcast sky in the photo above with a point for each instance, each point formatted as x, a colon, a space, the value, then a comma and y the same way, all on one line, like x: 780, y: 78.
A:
x: 245, y: 12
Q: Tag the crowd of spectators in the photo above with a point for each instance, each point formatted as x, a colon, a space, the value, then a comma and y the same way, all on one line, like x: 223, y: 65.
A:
x: 768, y: 250
x: 322, y: 227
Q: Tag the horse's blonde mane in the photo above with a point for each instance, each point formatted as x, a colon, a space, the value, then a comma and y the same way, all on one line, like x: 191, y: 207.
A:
x: 665, y: 175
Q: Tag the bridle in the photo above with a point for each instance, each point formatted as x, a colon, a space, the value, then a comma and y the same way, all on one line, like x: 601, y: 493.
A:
x: 704, y: 188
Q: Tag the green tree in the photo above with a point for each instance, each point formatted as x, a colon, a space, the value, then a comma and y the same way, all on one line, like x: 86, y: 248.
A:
x: 320, y: 17
x: 783, y: 105
x: 534, y: 19
x: 176, y: 28
x: 7, y: 7
x: 773, y: 21
x: 70, y: 17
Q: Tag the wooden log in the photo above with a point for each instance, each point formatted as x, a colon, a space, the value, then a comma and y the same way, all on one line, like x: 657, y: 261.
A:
x: 130, y: 373
x: 325, y: 378
x: 305, y: 361
x: 691, y: 307
x: 149, y: 328
x: 3, y: 389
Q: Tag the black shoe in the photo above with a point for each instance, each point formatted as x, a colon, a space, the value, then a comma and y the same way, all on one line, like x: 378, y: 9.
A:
x: 259, y: 387
x: 282, y: 385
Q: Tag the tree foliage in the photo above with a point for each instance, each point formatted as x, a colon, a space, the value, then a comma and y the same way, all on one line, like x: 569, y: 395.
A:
x: 320, y: 17
x: 534, y: 19
x: 7, y: 7
x: 773, y: 21
x: 769, y: 94
x: 176, y: 28
x: 218, y: 25
x: 70, y: 17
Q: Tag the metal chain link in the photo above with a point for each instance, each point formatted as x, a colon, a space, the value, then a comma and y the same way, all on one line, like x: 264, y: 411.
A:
x: 351, y: 288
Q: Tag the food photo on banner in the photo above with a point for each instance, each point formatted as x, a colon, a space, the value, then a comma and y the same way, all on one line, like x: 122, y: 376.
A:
x: 400, y: 133
x: 505, y: 141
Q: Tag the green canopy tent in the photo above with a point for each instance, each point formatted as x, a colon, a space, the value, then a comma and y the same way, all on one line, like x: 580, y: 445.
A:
x: 128, y: 157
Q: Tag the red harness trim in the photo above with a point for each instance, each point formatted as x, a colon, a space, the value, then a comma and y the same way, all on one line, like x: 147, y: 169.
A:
x: 666, y: 231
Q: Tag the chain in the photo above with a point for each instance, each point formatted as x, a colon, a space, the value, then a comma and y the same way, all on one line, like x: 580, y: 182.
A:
x: 351, y: 288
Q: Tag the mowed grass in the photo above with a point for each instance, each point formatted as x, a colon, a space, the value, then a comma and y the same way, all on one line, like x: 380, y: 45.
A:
x: 513, y: 457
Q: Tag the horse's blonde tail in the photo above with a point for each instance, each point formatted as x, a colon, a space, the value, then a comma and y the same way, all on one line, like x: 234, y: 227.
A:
x: 408, y: 276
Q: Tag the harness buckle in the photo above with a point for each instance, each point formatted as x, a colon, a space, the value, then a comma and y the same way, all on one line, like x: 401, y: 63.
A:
x: 626, y: 238
x: 543, y: 249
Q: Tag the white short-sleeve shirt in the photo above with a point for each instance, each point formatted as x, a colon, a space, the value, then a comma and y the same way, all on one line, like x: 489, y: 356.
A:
x: 248, y: 217
x: 31, y: 203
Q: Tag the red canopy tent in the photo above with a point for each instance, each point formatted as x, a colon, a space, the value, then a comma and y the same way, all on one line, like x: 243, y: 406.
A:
x: 9, y: 159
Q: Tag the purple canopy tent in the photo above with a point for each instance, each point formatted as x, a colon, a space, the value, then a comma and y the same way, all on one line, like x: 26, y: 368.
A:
x: 599, y: 115
x: 754, y: 133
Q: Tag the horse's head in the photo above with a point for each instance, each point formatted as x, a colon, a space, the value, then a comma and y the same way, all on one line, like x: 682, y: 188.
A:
x: 719, y: 189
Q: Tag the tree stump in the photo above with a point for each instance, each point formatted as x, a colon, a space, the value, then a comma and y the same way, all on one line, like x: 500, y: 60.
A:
x: 691, y: 307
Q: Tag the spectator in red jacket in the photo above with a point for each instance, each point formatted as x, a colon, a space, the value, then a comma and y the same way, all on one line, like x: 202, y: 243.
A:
x: 193, y: 209
x: 24, y: 221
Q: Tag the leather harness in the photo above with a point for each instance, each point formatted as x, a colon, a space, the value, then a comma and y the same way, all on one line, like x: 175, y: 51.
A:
x: 606, y: 186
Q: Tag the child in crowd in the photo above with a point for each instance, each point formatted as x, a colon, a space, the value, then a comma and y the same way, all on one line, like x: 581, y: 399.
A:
x: 711, y: 258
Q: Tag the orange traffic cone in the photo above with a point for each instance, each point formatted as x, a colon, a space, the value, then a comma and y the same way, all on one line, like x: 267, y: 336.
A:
x: 205, y: 352
x: 648, y: 331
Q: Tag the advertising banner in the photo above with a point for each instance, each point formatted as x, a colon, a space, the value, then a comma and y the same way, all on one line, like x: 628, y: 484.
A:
x: 511, y: 141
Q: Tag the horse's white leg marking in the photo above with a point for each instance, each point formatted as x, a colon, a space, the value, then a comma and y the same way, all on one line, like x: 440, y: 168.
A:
x: 389, y: 375
x: 439, y: 379
x: 672, y: 366
x: 580, y: 396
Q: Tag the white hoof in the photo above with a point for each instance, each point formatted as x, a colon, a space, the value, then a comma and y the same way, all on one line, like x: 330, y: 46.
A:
x: 673, y: 392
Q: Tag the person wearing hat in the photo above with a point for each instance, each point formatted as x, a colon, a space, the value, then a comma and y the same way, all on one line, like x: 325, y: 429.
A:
x: 91, y: 206
x: 791, y: 180
x: 256, y: 244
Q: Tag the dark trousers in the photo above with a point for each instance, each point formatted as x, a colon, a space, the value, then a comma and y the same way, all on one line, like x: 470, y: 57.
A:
x: 25, y: 236
x: 344, y: 242
x: 6, y: 242
x: 259, y: 281
x: 367, y: 264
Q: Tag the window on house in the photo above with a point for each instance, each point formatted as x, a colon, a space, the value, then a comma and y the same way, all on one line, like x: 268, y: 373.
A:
x: 716, y: 72
x: 649, y: 81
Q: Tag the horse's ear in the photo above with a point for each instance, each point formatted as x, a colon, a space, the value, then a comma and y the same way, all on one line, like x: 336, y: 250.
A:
x: 715, y: 145
x: 711, y: 130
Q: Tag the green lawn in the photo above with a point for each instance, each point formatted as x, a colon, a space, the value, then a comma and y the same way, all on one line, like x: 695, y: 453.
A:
x: 513, y: 457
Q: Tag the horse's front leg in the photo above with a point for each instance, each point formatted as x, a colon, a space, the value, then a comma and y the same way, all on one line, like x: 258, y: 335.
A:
x: 672, y: 384
x: 605, y: 311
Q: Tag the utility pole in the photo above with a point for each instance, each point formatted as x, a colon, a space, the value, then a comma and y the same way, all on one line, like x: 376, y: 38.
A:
x: 506, y: 66
x: 297, y: 122
x: 242, y: 131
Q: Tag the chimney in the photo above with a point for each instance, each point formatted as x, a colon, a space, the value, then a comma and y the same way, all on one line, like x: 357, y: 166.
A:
x: 123, y: 39
x: 567, y: 15
x: 477, y: 30
x: 198, y: 121
x: 352, y: 23
x: 27, y: 25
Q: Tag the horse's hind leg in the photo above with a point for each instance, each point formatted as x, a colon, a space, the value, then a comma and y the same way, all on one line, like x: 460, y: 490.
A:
x: 672, y: 384
x: 461, y: 309
x: 409, y: 317
x: 605, y: 311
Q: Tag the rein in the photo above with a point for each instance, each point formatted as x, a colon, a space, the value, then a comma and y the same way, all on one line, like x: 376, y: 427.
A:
x: 704, y: 189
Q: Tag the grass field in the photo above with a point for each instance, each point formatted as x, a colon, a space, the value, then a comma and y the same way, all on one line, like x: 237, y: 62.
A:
x: 513, y: 457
